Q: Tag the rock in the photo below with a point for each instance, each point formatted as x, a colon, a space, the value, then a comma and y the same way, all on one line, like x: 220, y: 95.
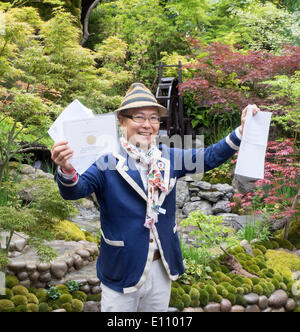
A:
x: 267, y: 310
x: 297, y: 253
x: 17, y: 266
x: 69, y: 261
x: 243, y: 184
x: 278, y: 299
x: 83, y: 253
x: 212, y: 196
x: 212, y: 307
x: 93, y: 281
x: 221, y: 207
x: 43, y: 267
x: 182, y: 193
x: 92, y: 306
x: 191, y: 309
x: 290, y: 305
x: 251, y: 298
x: 252, y: 308
x: 202, y: 185
x: 230, y: 219
x: 45, y: 277
x: 204, y: 206
x: 195, y: 198
x: 31, y: 267
x: 27, y: 169
x: 59, y: 269
x: 19, y: 244
x: 224, y: 188
x: 237, y: 308
x: 278, y: 310
x: 225, y: 305
x: 22, y: 275
x: 26, y: 283
x: 34, y: 276
x: 85, y: 288
x: 263, y: 302
x: 247, y: 247
x: 78, y: 262
x: 59, y: 310
x: 96, y: 290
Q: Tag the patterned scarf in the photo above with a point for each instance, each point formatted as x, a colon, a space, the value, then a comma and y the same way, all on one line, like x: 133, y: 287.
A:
x: 150, y: 159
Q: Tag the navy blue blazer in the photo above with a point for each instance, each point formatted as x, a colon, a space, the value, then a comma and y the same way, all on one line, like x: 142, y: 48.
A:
x: 127, y: 247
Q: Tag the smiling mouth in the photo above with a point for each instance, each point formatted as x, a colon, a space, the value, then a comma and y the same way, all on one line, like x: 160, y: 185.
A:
x: 145, y: 134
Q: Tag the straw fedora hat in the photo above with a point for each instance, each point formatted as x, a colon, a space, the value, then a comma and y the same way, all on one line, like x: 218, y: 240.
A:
x: 139, y: 96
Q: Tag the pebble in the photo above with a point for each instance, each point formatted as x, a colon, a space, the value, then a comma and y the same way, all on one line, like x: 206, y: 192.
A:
x: 263, y: 302
x: 212, y: 307
x: 251, y: 298
x: 252, y: 308
x: 278, y: 299
x: 59, y: 269
x: 290, y: 305
x: 237, y: 308
x: 225, y: 305
x: 92, y: 306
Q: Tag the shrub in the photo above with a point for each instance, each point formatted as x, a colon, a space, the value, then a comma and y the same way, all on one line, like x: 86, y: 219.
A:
x: 19, y: 300
x: 77, y: 305
x: 8, y: 294
x: 6, y: 305
x: 65, y: 298
x: 81, y: 295
x: 32, y: 298
x: 32, y: 307
x: 20, y: 290
x: 186, y: 299
x: 203, y: 297
x: 11, y: 281
x: 44, y: 307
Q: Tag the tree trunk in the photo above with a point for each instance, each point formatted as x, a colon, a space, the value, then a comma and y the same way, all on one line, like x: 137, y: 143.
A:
x: 86, y: 33
x: 236, y: 268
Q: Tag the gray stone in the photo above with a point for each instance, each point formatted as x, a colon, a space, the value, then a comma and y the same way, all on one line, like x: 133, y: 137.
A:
x: 22, y: 275
x: 69, y: 261
x: 85, y: 288
x: 231, y: 220
x: 96, y: 290
x: 237, y: 308
x: 45, y: 277
x: 27, y: 169
x: 78, y: 262
x: 290, y: 305
x: 203, y: 185
x: 191, y: 309
x: 92, y: 306
x: 212, y: 307
x: 20, y: 244
x: 224, y: 188
x: 17, y: 266
x: 59, y: 310
x: 182, y: 193
x: 34, y: 276
x: 93, y: 281
x: 267, y: 310
x: 212, y: 196
x: 204, y: 206
x: 252, y: 308
x: 83, y: 253
x: 221, y: 207
x: 225, y: 305
x: 263, y: 302
x: 243, y: 184
x: 247, y: 247
x: 195, y: 198
x: 278, y: 310
x: 59, y: 269
x: 251, y: 298
x: 43, y: 267
x: 297, y: 253
x: 31, y: 267
x: 278, y: 299
x: 26, y: 283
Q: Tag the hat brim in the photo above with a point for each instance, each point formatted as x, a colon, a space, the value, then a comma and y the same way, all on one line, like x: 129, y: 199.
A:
x: 162, y: 110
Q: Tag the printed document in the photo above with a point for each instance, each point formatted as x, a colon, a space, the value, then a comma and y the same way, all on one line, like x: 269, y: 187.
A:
x: 88, y: 135
x: 251, y: 156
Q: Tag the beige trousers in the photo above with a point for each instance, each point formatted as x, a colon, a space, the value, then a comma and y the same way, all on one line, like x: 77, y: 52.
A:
x: 152, y: 296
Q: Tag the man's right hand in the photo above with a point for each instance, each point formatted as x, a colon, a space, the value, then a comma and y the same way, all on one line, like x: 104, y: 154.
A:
x: 61, y: 153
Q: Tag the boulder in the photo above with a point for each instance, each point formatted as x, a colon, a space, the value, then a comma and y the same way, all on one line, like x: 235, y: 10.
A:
x: 182, y: 193
x: 204, y: 206
x: 59, y: 269
x: 278, y: 299
x: 221, y: 206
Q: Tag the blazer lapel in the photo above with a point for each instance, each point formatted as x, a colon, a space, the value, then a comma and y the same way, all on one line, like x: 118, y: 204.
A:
x: 129, y: 173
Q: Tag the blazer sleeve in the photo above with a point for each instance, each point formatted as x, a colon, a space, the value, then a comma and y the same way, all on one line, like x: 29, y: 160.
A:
x: 79, y: 186
x: 202, y: 160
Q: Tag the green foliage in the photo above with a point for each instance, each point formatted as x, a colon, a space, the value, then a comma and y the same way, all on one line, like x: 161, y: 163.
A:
x: 254, y: 229
x: 52, y: 293
x: 73, y: 285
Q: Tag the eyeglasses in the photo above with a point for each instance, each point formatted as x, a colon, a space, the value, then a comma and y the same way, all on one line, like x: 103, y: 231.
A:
x: 154, y: 119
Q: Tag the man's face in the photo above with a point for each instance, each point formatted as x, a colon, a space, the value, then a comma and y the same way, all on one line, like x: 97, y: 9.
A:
x: 144, y: 133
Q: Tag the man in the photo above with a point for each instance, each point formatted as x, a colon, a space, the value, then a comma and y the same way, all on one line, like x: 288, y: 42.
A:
x: 140, y: 252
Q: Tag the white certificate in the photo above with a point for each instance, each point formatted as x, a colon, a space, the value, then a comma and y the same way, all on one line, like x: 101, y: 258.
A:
x: 90, y: 139
x: 74, y: 111
x: 251, y: 156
